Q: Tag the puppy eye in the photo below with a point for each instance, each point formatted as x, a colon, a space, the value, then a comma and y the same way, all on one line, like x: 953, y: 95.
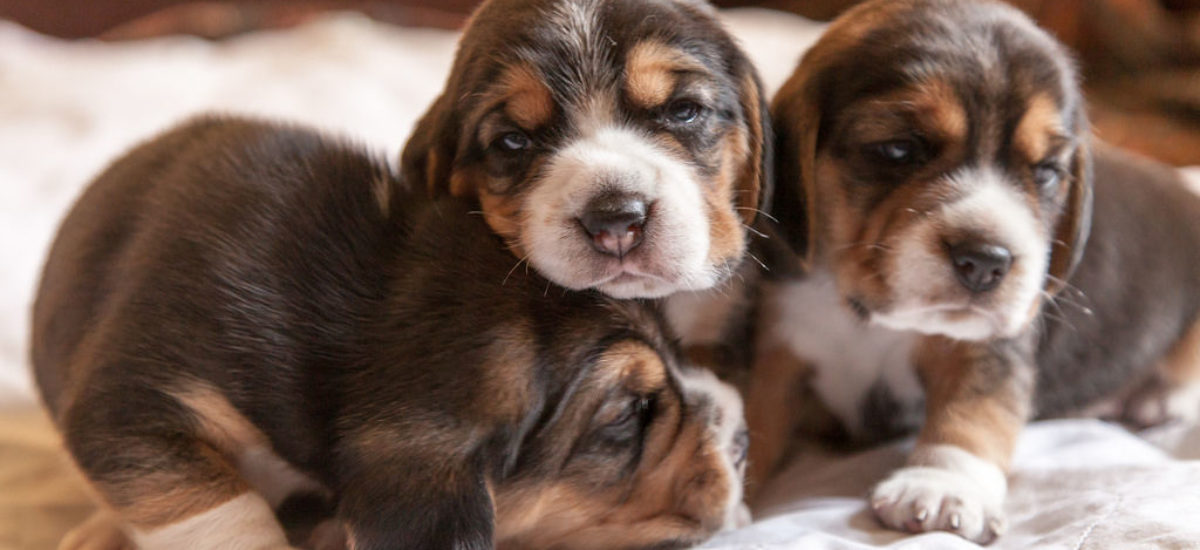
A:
x: 684, y: 111
x: 898, y: 151
x: 511, y: 142
x: 638, y: 411
x: 1046, y: 175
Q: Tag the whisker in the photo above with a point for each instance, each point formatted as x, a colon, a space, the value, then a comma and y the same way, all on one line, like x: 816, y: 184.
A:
x: 755, y: 231
x: 764, y: 214
x: 514, y: 268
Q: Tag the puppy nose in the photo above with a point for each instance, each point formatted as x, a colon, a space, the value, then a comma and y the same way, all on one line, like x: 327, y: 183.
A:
x: 614, y: 222
x: 980, y: 266
x: 740, y: 448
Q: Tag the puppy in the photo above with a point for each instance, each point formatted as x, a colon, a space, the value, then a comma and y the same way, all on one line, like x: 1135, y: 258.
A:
x: 237, y: 311
x: 936, y: 183
x: 614, y: 144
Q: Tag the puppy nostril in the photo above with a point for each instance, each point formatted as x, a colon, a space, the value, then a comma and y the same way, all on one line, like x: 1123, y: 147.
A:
x: 615, y: 222
x: 980, y: 266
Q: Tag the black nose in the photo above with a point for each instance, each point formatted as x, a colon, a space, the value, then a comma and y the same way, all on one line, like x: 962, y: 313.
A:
x: 980, y: 266
x: 614, y: 221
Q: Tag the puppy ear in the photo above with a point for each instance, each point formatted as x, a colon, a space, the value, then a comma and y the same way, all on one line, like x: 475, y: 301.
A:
x: 797, y: 118
x: 405, y: 502
x: 754, y: 185
x: 429, y: 154
x: 1071, y: 234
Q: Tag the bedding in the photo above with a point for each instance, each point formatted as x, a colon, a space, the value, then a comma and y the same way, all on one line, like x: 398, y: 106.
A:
x: 68, y: 107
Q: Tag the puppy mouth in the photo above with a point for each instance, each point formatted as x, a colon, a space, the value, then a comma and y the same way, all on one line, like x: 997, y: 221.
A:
x: 627, y: 276
x: 962, y: 320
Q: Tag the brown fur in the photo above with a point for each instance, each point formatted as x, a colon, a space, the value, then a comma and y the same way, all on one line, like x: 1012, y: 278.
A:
x: 205, y: 329
x: 555, y: 90
x: 973, y: 89
x: 528, y: 102
x: 981, y: 408
x: 651, y: 68
x: 771, y: 418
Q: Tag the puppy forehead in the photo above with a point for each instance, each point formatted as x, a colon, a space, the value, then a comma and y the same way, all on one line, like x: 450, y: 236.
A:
x: 986, y: 51
x: 933, y: 103
x: 581, y: 46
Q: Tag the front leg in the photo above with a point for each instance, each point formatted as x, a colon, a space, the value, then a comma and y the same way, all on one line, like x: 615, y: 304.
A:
x: 978, y: 397
x: 399, y: 491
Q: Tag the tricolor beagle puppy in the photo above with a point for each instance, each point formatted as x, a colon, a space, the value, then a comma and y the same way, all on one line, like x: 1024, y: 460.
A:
x: 618, y: 145
x: 239, y: 312
x: 958, y: 247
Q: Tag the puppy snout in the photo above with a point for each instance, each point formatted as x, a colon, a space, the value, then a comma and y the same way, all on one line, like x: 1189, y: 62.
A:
x: 980, y: 266
x: 615, y: 221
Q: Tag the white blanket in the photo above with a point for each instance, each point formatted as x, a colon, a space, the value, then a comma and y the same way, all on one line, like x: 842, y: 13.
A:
x: 66, y: 108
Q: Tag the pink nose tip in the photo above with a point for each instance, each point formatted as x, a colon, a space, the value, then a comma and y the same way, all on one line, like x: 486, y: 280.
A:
x: 615, y: 223
x: 619, y: 243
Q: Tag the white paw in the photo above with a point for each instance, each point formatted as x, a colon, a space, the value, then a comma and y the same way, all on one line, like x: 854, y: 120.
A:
x: 955, y: 492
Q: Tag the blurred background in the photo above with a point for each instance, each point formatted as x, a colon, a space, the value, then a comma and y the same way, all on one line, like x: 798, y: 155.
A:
x: 1141, y: 58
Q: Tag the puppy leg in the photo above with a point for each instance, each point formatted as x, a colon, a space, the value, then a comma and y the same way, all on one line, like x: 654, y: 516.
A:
x: 1173, y: 394
x: 771, y: 412
x: 955, y: 480
x: 169, y: 488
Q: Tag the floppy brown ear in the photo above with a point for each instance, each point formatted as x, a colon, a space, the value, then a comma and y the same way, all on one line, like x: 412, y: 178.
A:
x: 429, y: 154
x: 797, y: 119
x: 754, y: 185
x: 1071, y: 234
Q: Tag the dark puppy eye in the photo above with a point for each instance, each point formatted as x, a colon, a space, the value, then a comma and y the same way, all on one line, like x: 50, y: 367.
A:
x: 1046, y: 175
x: 684, y: 111
x: 636, y: 412
x: 897, y: 151
x: 511, y: 142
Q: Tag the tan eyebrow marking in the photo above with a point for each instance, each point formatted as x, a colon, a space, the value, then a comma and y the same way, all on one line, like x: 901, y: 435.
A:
x: 1040, y: 129
x: 651, y: 70
x: 529, y: 102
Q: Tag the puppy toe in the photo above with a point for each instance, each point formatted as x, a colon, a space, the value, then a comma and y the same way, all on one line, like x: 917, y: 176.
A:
x: 922, y: 499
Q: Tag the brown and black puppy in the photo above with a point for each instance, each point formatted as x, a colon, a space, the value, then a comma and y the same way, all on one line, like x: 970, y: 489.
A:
x: 237, y: 311
x: 936, y: 182
x: 618, y: 145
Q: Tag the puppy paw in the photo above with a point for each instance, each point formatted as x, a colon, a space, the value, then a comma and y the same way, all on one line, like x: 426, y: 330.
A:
x: 954, y: 493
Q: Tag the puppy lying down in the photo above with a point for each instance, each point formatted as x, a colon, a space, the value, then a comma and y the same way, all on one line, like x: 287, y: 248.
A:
x: 238, y: 312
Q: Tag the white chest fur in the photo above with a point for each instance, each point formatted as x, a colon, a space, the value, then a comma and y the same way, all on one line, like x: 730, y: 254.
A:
x: 849, y: 357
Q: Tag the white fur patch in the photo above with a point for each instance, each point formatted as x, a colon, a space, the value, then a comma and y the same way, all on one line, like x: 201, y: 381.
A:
x: 944, y: 488
x: 675, y: 244
x: 243, y: 523
x: 273, y: 477
x: 929, y: 298
x: 729, y: 402
x: 703, y: 317
x: 848, y: 354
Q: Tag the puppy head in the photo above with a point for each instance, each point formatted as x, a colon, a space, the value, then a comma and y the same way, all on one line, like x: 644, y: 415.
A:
x: 633, y: 450
x: 937, y: 153
x: 615, y: 144
x: 537, y: 417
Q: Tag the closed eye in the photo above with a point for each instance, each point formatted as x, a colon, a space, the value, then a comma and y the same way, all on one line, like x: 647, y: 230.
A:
x: 683, y: 112
x: 512, y: 142
x: 899, y: 152
x: 1048, y: 174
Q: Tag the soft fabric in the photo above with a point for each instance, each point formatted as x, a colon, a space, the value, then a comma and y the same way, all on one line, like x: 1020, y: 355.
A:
x: 67, y: 108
